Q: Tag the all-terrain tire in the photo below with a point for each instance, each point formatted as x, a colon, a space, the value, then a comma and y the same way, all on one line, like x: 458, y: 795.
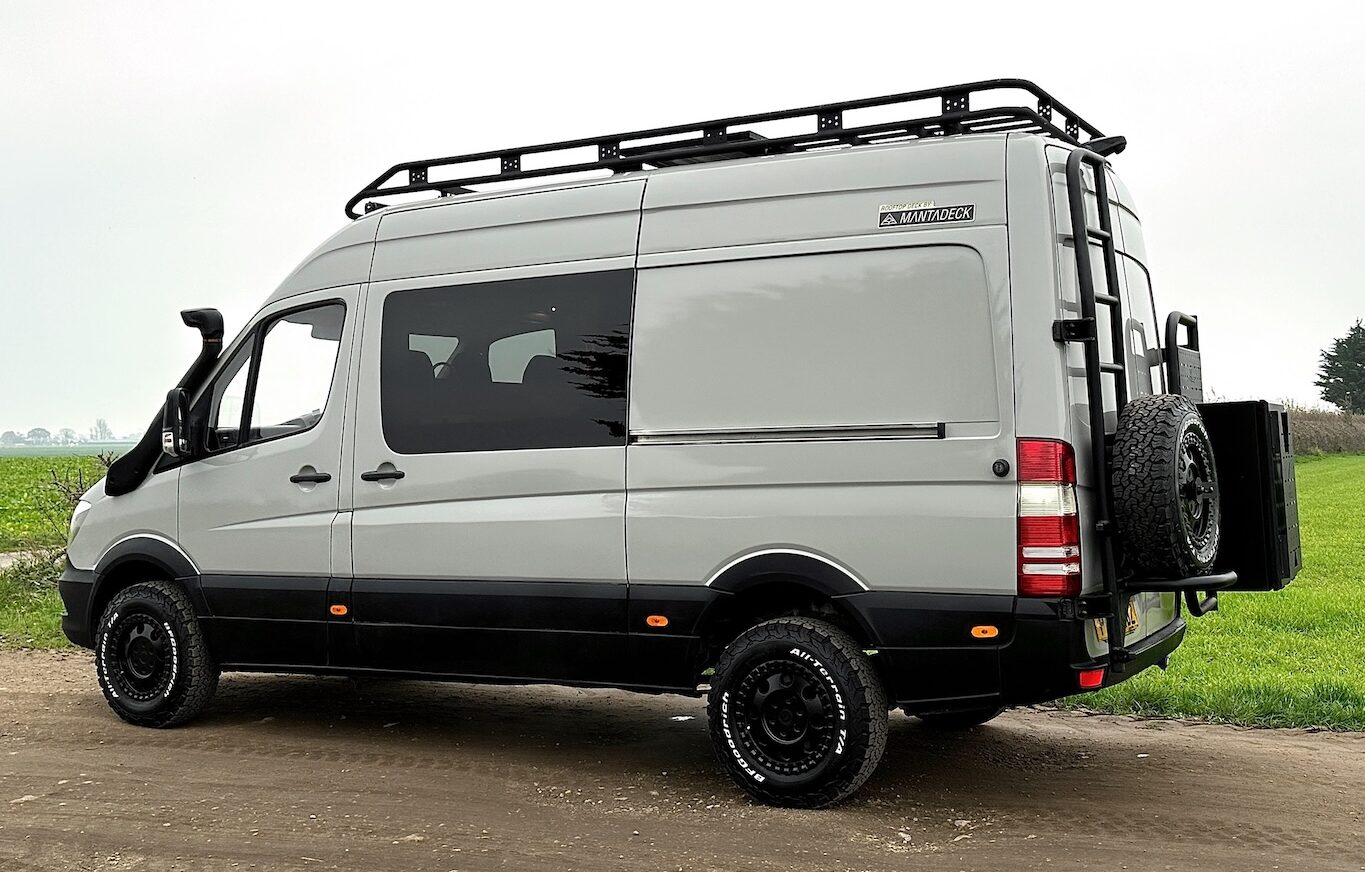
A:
x: 963, y: 720
x: 797, y: 713
x: 1165, y: 485
x: 151, y: 658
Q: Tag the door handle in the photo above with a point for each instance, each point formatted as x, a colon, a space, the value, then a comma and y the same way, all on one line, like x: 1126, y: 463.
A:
x: 381, y: 474
x: 310, y: 477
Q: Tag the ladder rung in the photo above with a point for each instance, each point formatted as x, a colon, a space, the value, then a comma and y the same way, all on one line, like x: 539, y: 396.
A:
x: 1097, y: 233
x: 1108, y: 299
x: 1111, y: 367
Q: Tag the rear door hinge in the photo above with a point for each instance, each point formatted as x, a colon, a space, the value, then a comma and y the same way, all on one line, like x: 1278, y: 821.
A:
x: 1074, y: 330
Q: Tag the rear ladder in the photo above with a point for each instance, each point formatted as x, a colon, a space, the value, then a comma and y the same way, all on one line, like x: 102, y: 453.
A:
x: 1085, y: 330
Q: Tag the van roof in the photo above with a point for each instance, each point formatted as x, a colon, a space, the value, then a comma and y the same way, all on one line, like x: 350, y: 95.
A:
x: 993, y: 106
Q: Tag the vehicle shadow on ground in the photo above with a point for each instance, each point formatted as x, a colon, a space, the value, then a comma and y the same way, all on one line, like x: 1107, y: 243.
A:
x: 622, y: 732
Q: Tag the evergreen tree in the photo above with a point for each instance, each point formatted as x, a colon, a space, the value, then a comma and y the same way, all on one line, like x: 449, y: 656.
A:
x: 1342, y: 373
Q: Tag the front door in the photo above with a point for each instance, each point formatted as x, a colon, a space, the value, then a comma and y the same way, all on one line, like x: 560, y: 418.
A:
x: 258, y: 504
x: 488, y: 534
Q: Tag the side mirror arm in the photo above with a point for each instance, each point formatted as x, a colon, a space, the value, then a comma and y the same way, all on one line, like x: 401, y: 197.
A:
x: 175, y: 440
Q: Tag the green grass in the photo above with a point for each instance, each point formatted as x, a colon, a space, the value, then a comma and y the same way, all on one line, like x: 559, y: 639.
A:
x: 32, y: 513
x: 1292, y: 658
x: 30, y: 609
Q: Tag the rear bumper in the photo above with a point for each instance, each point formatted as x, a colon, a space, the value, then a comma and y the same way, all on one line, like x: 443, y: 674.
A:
x: 76, y: 587
x: 931, y: 661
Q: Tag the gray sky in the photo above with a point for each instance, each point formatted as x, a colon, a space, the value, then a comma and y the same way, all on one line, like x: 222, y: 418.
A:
x: 162, y: 156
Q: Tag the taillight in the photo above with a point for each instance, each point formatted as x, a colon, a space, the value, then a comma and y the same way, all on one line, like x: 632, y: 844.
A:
x: 1049, y: 530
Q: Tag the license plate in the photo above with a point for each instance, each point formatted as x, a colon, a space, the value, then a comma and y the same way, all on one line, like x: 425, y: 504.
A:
x: 1102, y: 626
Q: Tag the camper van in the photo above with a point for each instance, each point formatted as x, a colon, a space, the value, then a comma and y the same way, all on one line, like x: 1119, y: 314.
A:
x: 819, y: 413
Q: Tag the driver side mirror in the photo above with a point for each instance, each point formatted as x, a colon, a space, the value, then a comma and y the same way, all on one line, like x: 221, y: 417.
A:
x: 175, y: 440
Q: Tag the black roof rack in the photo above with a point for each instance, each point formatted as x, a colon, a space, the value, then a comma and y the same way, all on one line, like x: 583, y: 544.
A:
x: 714, y: 140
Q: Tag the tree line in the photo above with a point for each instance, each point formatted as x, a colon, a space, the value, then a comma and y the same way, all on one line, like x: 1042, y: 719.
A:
x: 100, y: 432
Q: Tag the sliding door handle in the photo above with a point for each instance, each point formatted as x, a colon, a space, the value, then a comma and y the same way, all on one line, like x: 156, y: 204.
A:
x: 382, y: 474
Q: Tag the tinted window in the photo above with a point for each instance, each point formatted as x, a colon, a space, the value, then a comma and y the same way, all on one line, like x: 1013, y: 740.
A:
x: 529, y: 363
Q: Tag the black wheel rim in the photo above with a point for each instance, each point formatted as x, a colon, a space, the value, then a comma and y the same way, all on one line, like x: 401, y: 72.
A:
x: 1198, y: 488
x: 139, y: 656
x: 785, y: 718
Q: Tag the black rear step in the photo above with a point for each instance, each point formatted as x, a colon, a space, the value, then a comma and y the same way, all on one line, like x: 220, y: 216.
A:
x: 1111, y: 606
x: 713, y: 140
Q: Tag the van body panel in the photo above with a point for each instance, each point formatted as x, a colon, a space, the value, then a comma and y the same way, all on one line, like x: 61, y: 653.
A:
x: 344, y: 259
x: 514, y: 230
x: 150, y: 510
x: 814, y: 341
x: 817, y: 196
x: 707, y: 484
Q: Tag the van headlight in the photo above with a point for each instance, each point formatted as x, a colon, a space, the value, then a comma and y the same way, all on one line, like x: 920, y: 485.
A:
x: 76, y: 518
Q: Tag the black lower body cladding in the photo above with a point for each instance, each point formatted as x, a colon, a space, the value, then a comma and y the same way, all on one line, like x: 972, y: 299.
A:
x: 77, y: 587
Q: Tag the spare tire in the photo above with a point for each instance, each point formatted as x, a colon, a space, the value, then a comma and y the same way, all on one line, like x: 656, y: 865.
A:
x: 1165, y: 486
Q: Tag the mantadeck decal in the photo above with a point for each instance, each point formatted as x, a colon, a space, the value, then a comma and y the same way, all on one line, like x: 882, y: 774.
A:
x: 906, y: 214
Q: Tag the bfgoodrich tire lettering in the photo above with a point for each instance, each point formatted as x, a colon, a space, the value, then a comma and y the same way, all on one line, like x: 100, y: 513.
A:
x: 150, y: 656
x: 1165, y: 488
x: 797, y: 713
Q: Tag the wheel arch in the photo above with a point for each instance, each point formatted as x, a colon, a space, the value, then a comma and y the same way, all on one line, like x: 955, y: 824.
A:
x: 775, y: 582
x: 141, y: 558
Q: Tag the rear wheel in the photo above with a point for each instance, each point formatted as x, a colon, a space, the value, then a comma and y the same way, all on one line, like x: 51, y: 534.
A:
x: 1165, y: 488
x: 150, y: 656
x: 963, y: 720
x: 797, y: 713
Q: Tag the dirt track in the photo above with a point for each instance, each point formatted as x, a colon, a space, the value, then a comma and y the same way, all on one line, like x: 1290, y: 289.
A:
x: 308, y: 773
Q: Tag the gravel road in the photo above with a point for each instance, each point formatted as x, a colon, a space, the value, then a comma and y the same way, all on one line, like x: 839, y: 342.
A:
x: 295, y: 773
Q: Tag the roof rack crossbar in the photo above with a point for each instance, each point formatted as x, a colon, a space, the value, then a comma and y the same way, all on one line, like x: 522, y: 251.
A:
x: 715, y: 140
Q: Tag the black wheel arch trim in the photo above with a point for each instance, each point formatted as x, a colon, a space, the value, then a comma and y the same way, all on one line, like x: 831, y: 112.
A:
x: 166, y: 557
x: 825, y: 575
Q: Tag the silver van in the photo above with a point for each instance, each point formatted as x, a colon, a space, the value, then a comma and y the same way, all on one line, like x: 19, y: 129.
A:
x: 822, y: 412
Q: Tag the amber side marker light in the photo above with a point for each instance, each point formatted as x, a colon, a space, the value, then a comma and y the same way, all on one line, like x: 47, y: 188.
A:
x: 985, y: 631
x: 339, y: 610
x: 657, y: 621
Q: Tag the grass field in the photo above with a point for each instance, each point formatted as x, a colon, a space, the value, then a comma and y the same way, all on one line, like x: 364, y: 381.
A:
x: 31, y: 512
x: 1292, y: 658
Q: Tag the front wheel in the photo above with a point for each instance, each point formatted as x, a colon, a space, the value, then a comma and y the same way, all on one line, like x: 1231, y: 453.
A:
x: 797, y: 713
x: 150, y: 656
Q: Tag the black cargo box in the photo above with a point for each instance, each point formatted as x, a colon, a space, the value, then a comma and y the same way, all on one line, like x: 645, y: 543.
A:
x: 1254, y: 451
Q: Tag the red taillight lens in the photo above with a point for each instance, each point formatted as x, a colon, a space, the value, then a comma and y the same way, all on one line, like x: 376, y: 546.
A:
x: 1049, y: 529
x: 1046, y: 460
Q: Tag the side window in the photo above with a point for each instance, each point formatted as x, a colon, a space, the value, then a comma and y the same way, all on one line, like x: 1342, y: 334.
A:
x: 1144, y: 337
x: 227, y: 401
x: 530, y: 363
x: 294, y: 375
x: 278, y: 381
